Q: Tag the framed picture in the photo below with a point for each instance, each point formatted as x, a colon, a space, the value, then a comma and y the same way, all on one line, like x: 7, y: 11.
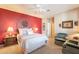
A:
x: 59, y: 25
x: 67, y: 24
x: 43, y: 26
x: 76, y: 23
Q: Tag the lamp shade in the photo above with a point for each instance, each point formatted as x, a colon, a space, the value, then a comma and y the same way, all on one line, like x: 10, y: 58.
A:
x: 10, y: 29
x: 35, y: 29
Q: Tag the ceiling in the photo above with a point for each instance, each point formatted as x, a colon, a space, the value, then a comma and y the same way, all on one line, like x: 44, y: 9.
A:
x: 39, y: 10
x: 50, y: 9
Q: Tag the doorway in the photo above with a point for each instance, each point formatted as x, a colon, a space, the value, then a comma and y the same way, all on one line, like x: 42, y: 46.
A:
x: 52, y: 32
x: 52, y: 28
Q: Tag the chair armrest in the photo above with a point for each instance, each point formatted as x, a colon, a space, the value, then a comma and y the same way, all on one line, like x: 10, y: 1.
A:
x: 68, y: 43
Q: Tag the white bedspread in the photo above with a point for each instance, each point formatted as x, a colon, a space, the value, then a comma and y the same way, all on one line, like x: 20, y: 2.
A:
x: 32, y: 42
x: 33, y: 36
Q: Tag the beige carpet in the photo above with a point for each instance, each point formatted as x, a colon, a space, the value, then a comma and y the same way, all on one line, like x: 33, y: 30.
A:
x: 55, y: 49
x: 13, y: 49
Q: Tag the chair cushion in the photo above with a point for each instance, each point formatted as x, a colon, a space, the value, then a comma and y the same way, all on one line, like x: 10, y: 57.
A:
x: 60, y: 39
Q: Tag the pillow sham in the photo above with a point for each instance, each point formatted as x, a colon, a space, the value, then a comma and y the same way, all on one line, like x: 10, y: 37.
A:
x: 30, y: 31
x: 23, y: 31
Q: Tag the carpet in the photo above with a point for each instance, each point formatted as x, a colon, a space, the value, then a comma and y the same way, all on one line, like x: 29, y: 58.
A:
x: 48, y: 50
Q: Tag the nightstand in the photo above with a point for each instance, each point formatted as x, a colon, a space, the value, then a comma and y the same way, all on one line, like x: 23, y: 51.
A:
x: 10, y: 40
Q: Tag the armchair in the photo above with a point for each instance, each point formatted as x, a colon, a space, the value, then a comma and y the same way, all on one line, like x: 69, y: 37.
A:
x: 60, y: 38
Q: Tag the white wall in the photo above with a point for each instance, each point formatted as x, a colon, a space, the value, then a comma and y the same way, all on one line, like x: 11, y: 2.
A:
x: 47, y: 26
x: 69, y: 15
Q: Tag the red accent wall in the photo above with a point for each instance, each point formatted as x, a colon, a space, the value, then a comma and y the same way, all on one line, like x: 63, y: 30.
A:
x: 10, y: 18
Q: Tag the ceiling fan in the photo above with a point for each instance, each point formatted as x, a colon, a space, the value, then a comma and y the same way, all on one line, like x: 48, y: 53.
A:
x: 38, y: 8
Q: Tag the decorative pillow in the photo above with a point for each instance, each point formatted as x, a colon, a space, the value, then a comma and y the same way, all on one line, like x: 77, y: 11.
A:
x: 23, y: 31
x: 30, y: 31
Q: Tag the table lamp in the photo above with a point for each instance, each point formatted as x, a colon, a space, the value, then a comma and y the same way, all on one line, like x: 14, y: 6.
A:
x: 35, y: 29
x: 10, y: 31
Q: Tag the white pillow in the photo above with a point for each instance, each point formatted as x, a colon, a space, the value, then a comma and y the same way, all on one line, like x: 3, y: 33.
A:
x: 23, y: 31
x: 30, y: 31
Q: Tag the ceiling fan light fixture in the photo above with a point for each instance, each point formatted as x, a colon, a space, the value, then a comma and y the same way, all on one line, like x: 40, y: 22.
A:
x: 37, y: 5
x: 42, y: 10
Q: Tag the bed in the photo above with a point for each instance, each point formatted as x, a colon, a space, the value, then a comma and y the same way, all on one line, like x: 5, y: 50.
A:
x: 32, y: 41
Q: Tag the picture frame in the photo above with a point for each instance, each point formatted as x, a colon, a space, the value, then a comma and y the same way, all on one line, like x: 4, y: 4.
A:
x: 43, y: 26
x: 67, y: 24
x: 76, y: 23
x: 59, y: 25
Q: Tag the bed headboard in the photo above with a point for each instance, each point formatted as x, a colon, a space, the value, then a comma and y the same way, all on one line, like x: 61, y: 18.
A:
x: 23, y: 24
